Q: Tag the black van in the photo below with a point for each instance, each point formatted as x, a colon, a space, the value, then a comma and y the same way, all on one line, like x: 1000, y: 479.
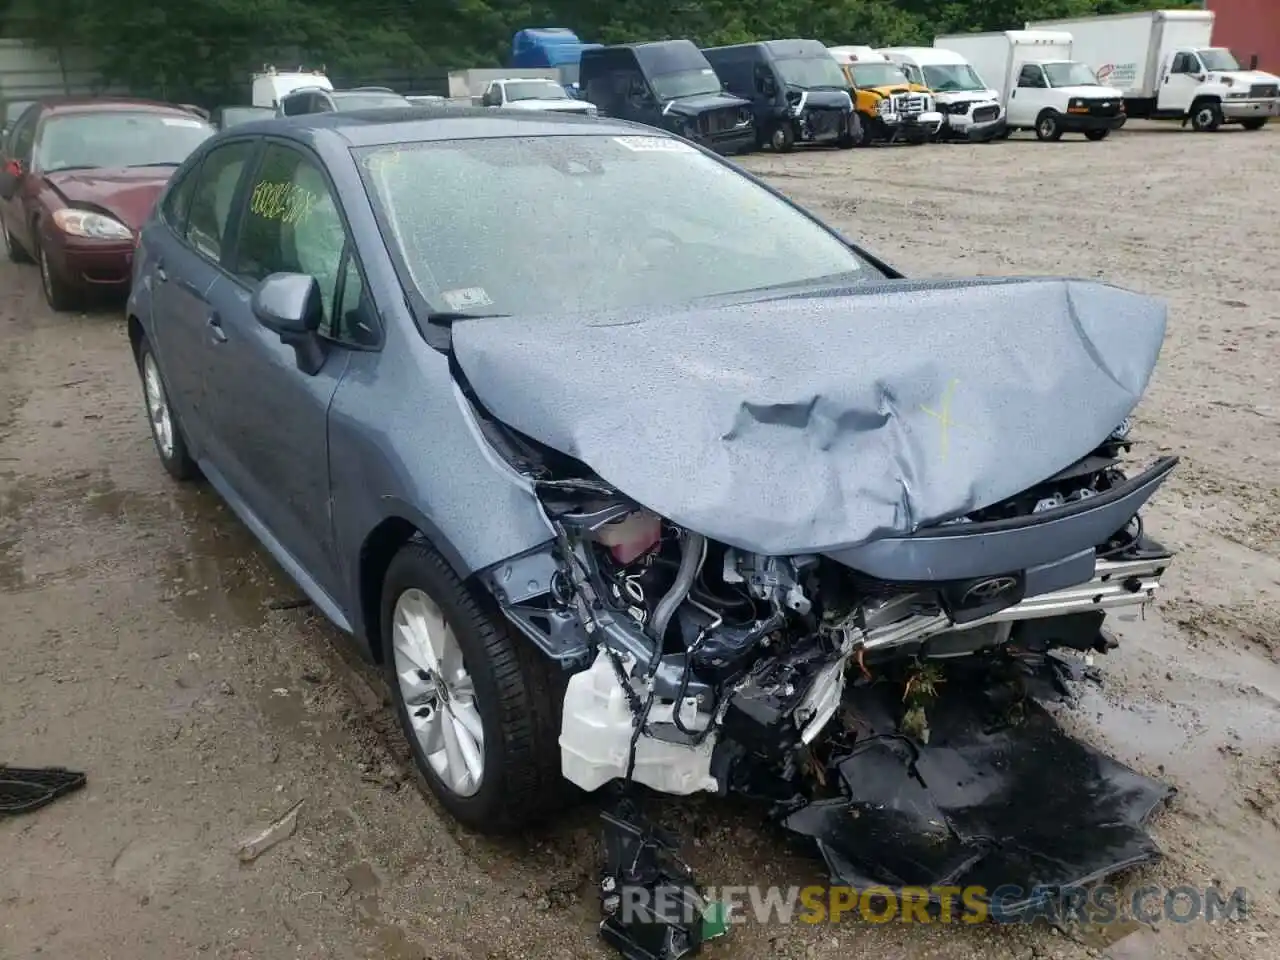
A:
x: 667, y: 84
x: 797, y: 91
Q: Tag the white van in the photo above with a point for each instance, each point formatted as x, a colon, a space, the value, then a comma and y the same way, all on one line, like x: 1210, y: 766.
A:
x: 970, y: 109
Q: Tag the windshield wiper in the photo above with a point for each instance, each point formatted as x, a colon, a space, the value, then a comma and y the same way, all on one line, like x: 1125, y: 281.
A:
x: 158, y: 163
x: 444, y: 318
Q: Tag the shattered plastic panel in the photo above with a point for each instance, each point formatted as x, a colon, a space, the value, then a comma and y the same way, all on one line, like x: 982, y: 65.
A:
x: 812, y: 423
x: 1015, y: 803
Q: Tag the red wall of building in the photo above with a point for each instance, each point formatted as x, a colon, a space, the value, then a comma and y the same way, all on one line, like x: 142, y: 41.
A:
x: 1249, y: 27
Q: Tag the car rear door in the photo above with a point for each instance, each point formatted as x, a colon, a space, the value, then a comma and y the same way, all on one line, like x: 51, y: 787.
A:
x: 19, y: 147
x: 183, y: 269
x: 272, y: 415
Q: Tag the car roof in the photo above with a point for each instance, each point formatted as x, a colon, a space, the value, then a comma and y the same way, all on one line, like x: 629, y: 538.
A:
x: 415, y: 123
x: 109, y: 105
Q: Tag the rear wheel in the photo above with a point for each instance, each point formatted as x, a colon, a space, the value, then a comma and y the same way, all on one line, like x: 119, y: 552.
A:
x: 1206, y: 117
x: 14, y: 252
x: 1096, y: 135
x: 479, y: 706
x: 1048, y: 127
x: 1257, y: 123
x: 171, y: 446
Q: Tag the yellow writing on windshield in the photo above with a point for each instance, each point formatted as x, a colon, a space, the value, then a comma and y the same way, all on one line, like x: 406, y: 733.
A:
x: 286, y: 202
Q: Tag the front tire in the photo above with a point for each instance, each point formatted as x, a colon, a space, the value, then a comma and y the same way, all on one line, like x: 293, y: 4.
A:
x: 782, y: 138
x: 1206, y: 117
x: 866, y: 130
x: 479, y: 706
x: 60, y: 295
x: 1256, y: 123
x: 1096, y: 135
x: 1048, y: 127
x: 171, y: 446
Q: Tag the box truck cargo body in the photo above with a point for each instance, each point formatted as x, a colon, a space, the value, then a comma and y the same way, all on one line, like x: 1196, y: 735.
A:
x: 1163, y: 64
x: 1041, y: 86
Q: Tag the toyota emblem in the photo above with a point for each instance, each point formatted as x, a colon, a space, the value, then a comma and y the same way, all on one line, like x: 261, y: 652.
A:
x: 987, y: 590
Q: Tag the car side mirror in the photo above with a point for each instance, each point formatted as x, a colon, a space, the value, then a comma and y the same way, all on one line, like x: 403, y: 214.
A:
x: 1198, y: 77
x: 289, y: 305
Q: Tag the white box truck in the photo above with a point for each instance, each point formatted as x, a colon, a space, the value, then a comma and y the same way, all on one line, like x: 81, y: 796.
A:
x: 1041, y: 87
x: 1162, y: 63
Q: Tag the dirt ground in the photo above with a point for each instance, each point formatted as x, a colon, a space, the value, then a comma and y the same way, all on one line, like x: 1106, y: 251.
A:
x: 145, y: 639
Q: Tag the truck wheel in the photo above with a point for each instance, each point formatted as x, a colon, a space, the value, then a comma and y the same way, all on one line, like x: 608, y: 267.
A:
x: 782, y: 138
x: 1048, y: 126
x: 1206, y: 117
x: 1096, y: 135
x: 1257, y: 123
x: 866, y: 130
x: 479, y: 706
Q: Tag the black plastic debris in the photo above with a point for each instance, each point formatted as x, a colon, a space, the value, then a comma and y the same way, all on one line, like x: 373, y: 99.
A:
x: 24, y: 789
x: 652, y: 910
x: 1000, y: 797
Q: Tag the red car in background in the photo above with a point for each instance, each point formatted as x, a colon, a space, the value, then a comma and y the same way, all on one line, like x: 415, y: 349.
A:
x: 78, y: 178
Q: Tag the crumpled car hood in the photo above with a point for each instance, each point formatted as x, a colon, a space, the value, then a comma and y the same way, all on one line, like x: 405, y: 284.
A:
x: 805, y: 424
x: 128, y: 194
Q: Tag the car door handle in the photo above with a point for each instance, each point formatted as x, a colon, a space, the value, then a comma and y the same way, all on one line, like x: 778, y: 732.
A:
x: 161, y: 275
x: 215, y: 327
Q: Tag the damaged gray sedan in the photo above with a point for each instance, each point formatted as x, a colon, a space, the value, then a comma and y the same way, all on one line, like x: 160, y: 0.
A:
x: 629, y: 471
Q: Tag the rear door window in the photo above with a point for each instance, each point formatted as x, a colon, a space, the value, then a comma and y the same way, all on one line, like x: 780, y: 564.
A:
x: 177, y: 201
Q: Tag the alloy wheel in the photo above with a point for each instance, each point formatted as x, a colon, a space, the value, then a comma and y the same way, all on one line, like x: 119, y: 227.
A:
x: 157, y: 406
x: 438, y: 692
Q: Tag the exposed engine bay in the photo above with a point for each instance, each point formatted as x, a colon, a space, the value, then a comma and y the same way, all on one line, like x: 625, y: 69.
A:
x: 701, y: 657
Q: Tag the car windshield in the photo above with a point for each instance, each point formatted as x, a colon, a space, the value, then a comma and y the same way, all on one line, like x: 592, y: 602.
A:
x: 1218, y: 59
x: 118, y: 138
x: 878, y: 74
x: 809, y: 73
x: 951, y: 78
x: 534, y: 90
x: 1070, y: 74
x: 368, y: 101
x: 685, y: 83
x: 589, y: 223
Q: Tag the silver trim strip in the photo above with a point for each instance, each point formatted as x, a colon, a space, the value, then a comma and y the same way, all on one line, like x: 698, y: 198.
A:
x: 1115, y: 584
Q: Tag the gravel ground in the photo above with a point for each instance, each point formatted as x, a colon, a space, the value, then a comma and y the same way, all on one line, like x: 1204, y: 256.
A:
x: 145, y: 639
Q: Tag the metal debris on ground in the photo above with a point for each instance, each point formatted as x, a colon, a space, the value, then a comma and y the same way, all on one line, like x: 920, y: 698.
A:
x: 280, y: 829
x: 652, y: 909
x: 23, y: 789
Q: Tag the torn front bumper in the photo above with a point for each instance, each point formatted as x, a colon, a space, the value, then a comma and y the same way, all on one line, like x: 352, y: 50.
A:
x: 1000, y: 803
